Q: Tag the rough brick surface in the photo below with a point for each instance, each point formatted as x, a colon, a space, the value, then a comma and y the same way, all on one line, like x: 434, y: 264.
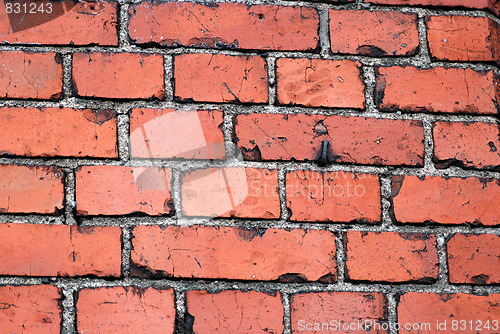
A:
x: 320, y: 83
x: 262, y: 27
x: 31, y: 189
x: 119, y: 190
x: 474, y: 258
x: 57, y: 250
x: 439, y: 89
x: 350, y: 139
x: 235, y: 312
x: 479, y: 4
x: 391, y: 256
x: 234, y: 253
x: 30, y: 309
x: 125, y: 310
x: 53, y: 132
x: 220, y: 78
x: 323, y: 312
x: 118, y: 75
x: 473, y: 145
x: 446, y: 200
x: 377, y: 33
x: 169, y: 133
x: 336, y: 196
x: 29, y: 75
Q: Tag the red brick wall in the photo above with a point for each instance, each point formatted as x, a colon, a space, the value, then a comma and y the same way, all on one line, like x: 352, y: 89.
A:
x: 230, y: 167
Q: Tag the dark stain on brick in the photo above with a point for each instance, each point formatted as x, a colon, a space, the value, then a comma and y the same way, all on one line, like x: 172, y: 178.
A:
x: 100, y: 116
x: 371, y: 50
x: 248, y: 233
x: 397, y: 182
x: 480, y: 279
x: 292, y: 278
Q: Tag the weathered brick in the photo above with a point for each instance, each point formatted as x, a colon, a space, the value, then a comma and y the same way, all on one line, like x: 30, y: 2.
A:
x: 471, y: 144
x: 446, y: 200
x: 377, y: 33
x: 333, y: 196
x: 59, y: 250
x: 231, y: 192
x: 439, y: 89
x: 31, y: 189
x: 351, y: 139
x: 120, y: 190
x: 320, y: 83
x: 30, y: 75
x: 391, y: 256
x: 264, y: 27
x: 235, y: 312
x: 125, y: 310
x: 220, y: 78
x: 54, y: 132
x: 234, y: 253
x: 474, y: 258
x: 478, y: 4
x: 170, y: 133
x: 322, y: 312
x: 118, y: 75
x: 30, y: 309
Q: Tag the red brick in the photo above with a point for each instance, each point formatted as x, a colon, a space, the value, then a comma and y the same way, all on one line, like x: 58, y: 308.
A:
x: 235, y: 312
x: 473, y: 145
x: 391, y: 256
x: 333, y: 196
x: 377, y: 33
x: 264, y: 27
x: 30, y: 309
x: 31, y: 189
x: 59, y: 250
x: 29, y: 75
x: 479, y: 4
x: 234, y: 253
x: 463, y: 38
x: 231, y: 192
x: 460, y: 309
x: 474, y: 258
x: 351, y: 139
x: 220, y: 78
x: 125, y: 310
x: 120, y: 190
x: 72, y: 23
x: 439, y: 89
x: 171, y: 133
x: 118, y: 75
x: 320, y: 83
x: 446, y: 200
x: 321, y: 312
x: 54, y: 132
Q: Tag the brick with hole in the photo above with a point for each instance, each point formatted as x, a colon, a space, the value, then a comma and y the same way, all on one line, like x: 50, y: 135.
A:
x: 125, y: 310
x: 30, y: 309
x: 463, y: 38
x: 263, y: 27
x: 437, y: 90
x: 391, y: 257
x: 473, y: 258
x: 322, y: 312
x: 30, y: 75
x: 467, y: 312
x: 177, y: 134
x: 359, y: 140
x: 59, y: 250
x: 121, y: 190
x: 118, y: 75
x: 220, y: 78
x: 333, y: 196
x: 478, y: 4
x: 445, y: 200
x: 467, y: 144
x: 58, y: 132
x: 233, y: 312
x: 320, y: 83
x: 373, y: 33
x: 31, y: 189
x: 287, y: 255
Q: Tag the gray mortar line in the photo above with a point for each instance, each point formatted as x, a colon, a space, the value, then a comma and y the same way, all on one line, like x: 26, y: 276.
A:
x: 126, y: 240
x: 123, y: 22
x: 181, y: 311
x: 271, y: 72
x: 385, y: 194
x: 69, y: 197
x: 392, y: 315
x: 123, y: 137
x: 67, y: 59
x: 324, y: 32
x: 168, y: 64
x: 287, y: 317
x: 341, y: 259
